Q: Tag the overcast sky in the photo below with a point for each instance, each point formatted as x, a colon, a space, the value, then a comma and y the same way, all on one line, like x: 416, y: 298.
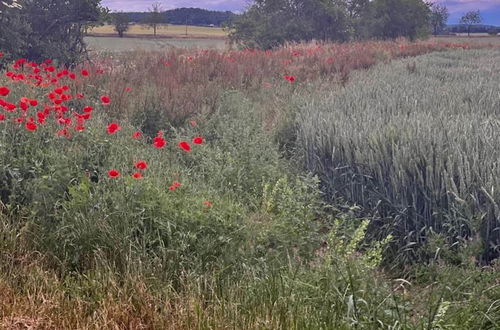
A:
x: 490, y: 9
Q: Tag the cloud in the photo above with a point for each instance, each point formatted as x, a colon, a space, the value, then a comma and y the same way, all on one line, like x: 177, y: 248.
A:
x: 461, y: 6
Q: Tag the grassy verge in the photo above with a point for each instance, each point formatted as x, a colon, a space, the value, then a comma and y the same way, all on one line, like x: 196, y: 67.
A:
x: 233, y: 233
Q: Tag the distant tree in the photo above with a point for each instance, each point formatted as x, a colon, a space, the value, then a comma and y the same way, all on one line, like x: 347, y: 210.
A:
x: 471, y: 18
x: 439, y: 17
x: 155, y: 16
x: 104, y: 18
x: 388, y: 19
x: 121, y: 22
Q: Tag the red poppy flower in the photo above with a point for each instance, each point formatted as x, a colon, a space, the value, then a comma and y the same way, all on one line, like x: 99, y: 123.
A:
x: 2, y: 117
x: 31, y: 126
x: 137, y: 175
x: 185, y: 146
x: 4, y: 91
x: 113, y: 128
x: 88, y: 109
x: 1, y: 54
x: 290, y: 78
x: 72, y: 76
x: 208, y: 204
x: 85, y: 73
x: 159, y: 142
x: 63, y: 132
x: 141, y: 165
x: 33, y: 103
x: 176, y: 184
x: 23, y: 106
x: 193, y: 123
x: 58, y: 91
x: 128, y: 89
x: 172, y: 188
x: 79, y: 95
x: 137, y: 135
x: 198, y: 140
x: 113, y: 174
x: 105, y: 100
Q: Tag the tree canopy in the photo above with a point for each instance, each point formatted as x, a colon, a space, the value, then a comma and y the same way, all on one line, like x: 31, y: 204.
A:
x: 269, y: 23
x: 41, y: 29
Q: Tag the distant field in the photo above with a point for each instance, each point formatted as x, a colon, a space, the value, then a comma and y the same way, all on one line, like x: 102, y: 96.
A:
x: 116, y: 44
x: 165, y: 30
x: 473, y: 39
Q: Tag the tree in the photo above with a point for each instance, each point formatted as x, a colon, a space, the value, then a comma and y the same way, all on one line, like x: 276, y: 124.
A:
x: 470, y: 18
x: 155, y: 17
x: 389, y: 19
x: 121, y: 21
x: 14, y: 30
x: 270, y: 23
x: 439, y: 17
x: 41, y: 29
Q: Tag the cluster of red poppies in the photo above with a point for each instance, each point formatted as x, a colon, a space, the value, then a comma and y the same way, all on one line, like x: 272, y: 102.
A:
x: 58, y: 88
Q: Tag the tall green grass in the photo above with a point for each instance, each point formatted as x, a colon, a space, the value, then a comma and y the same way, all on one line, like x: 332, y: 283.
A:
x: 416, y: 143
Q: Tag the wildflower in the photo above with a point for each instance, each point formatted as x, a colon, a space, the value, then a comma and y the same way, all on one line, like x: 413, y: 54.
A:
x: 198, y: 140
x: 88, y: 109
x: 193, y: 123
x: 79, y: 128
x: 290, y: 78
x: 113, y: 128
x: 137, y: 135
x: 159, y: 142
x: 31, y: 126
x: 113, y: 174
x: 33, y: 103
x: 105, y: 100
x: 4, y: 91
x: 137, y: 175
x: 141, y: 165
x: 174, y: 186
x: 208, y: 204
x: 84, y: 73
x: 2, y: 117
x: 72, y: 76
x: 185, y: 146
x: 63, y: 132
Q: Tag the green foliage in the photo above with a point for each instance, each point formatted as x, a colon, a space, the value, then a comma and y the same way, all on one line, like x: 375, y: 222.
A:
x: 121, y: 22
x: 44, y: 29
x: 439, y: 18
x: 388, y: 19
x: 270, y: 23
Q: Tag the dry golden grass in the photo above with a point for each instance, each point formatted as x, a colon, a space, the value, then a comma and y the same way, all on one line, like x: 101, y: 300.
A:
x: 165, y: 30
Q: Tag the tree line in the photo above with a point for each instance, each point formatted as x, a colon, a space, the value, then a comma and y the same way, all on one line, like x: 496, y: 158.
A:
x: 191, y: 16
x: 270, y: 23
